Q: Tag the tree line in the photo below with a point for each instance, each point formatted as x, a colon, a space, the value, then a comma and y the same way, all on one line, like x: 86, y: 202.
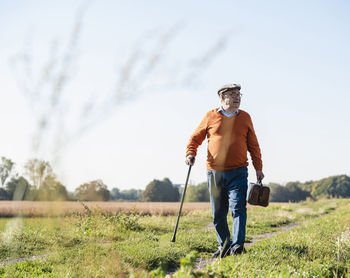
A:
x: 39, y: 183
x: 331, y: 187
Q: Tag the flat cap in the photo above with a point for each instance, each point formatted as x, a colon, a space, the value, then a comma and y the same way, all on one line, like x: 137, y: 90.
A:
x: 228, y: 87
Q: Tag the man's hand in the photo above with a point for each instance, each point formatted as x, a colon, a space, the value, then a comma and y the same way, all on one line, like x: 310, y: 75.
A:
x: 259, y: 175
x: 190, y: 160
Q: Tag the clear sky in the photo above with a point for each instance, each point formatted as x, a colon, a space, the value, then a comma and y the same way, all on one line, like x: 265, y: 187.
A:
x: 291, y: 57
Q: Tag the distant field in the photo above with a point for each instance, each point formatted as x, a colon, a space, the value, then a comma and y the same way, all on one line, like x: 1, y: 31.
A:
x: 42, y: 209
x: 38, y: 209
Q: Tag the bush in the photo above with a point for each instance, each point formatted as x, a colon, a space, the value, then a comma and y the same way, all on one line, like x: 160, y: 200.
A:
x: 161, y: 191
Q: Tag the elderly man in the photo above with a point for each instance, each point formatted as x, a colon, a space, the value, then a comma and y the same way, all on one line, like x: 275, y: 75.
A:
x: 230, y: 134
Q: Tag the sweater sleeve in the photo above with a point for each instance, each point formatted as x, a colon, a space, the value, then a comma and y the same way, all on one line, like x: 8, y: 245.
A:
x: 253, y: 147
x: 197, y: 137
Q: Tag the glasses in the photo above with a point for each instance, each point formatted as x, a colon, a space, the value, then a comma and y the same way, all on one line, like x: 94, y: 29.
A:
x: 231, y: 94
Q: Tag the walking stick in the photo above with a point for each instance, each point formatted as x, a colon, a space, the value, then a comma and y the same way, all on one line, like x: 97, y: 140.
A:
x: 182, y: 201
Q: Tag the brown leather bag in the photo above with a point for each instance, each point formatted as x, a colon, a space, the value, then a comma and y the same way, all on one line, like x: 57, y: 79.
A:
x: 258, y: 194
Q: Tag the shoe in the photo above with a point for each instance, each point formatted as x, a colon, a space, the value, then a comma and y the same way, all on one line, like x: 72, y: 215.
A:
x: 238, y: 249
x: 221, y: 253
x: 216, y: 254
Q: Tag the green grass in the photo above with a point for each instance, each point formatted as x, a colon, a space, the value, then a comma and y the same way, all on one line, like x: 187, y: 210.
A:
x: 319, y: 248
x: 105, y: 245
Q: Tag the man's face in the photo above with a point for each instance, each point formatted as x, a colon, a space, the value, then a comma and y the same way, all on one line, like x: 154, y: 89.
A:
x: 231, y: 98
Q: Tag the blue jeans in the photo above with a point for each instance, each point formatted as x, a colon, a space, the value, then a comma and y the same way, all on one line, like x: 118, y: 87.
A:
x: 228, y: 190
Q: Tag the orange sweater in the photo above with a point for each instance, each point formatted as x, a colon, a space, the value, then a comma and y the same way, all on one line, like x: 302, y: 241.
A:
x: 229, y: 139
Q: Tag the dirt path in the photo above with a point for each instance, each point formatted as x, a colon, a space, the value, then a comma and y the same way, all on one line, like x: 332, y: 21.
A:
x: 203, y: 262
x: 34, y: 257
x: 200, y: 263
x: 17, y: 260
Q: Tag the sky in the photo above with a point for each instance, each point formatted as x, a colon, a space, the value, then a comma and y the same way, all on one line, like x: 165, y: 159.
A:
x: 140, y: 76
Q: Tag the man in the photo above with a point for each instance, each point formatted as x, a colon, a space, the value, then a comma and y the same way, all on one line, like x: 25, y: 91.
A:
x: 230, y: 134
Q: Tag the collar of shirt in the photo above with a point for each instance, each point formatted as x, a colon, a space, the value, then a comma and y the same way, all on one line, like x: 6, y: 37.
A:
x: 227, y: 114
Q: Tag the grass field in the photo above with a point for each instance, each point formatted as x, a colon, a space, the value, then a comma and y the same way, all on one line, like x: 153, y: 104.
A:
x: 91, y: 241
